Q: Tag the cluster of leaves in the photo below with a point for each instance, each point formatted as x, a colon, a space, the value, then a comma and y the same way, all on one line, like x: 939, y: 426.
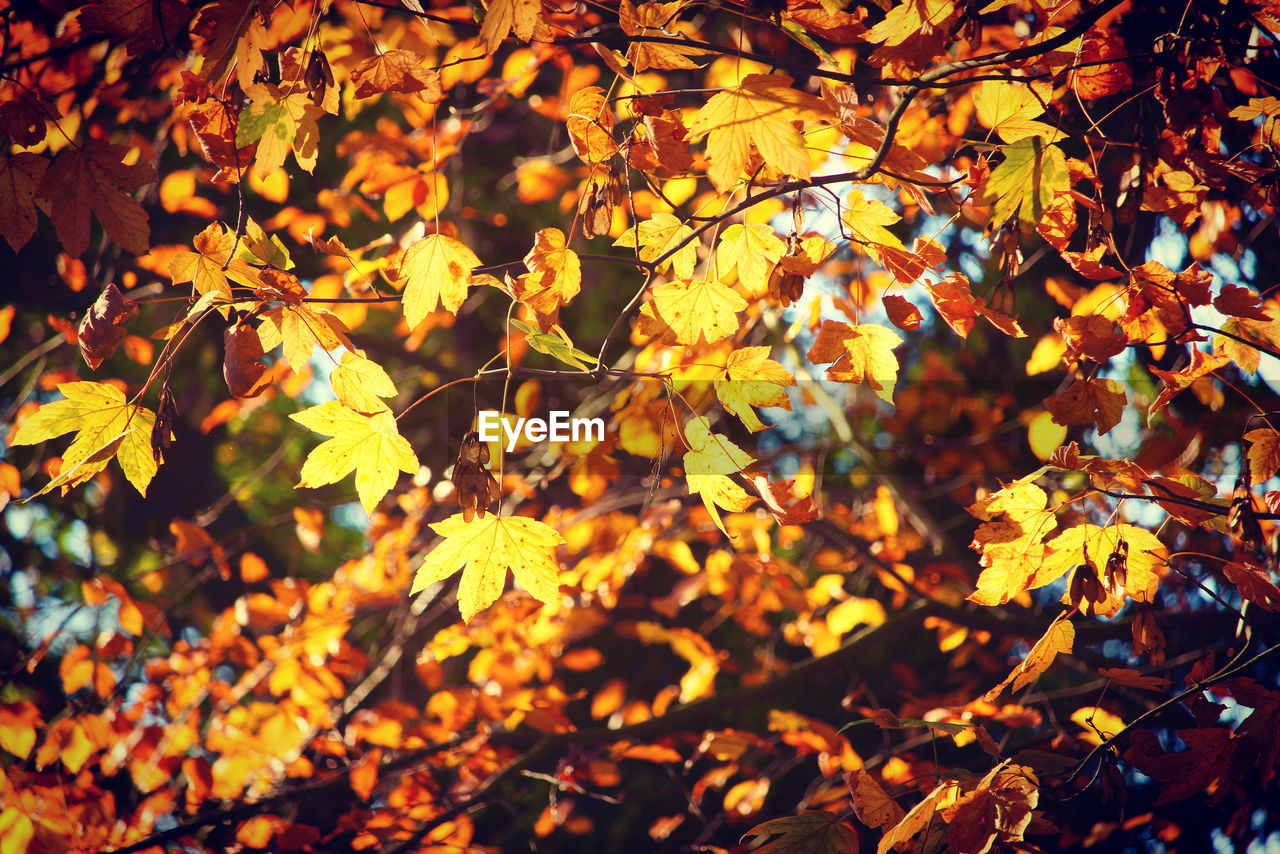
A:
x: 931, y: 351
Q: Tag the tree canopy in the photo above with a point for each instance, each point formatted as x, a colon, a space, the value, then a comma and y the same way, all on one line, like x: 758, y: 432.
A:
x: 792, y: 426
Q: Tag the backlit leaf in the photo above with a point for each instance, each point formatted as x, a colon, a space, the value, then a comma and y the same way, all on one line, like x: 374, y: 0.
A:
x: 371, y: 445
x: 484, y: 549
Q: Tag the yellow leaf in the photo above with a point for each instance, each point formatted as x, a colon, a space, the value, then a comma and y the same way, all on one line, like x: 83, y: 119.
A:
x: 1264, y: 454
x: 656, y: 236
x: 872, y: 803
x: 868, y: 355
x: 203, y: 268
x: 1059, y: 638
x: 1097, y: 723
x: 750, y: 379
x: 759, y: 111
x: 866, y: 220
x: 693, y: 311
x: 359, y: 383
x: 369, y: 444
x: 504, y: 16
x: 16, y: 831
x: 554, y: 277
x: 753, y: 250
x: 18, y: 723
x: 590, y: 125
x: 279, y: 123
x: 105, y: 426
x: 300, y: 330
x: 437, y: 270
x: 654, y: 19
x: 708, y: 464
x: 1010, y: 109
x: 920, y: 817
x: 485, y: 548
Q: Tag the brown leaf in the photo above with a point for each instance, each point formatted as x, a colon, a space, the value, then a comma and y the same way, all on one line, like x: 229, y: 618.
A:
x: 103, y: 326
x: 1096, y: 401
x: 1254, y: 585
x: 19, y: 177
x: 401, y: 71
x: 93, y: 178
x: 242, y: 368
x: 142, y: 25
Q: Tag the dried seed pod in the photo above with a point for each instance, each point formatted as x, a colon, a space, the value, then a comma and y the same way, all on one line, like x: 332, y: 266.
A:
x: 1147, y: 637
x: 475, y: 486
x: 103, y: 326
x: 1117, y: 569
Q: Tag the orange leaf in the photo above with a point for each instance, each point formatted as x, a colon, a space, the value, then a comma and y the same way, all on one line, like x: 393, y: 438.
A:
x: 400, y: 71
x: 1096, y: 401
x: 18, y: 723
x: 902, y: 313
x: 1059, y: 638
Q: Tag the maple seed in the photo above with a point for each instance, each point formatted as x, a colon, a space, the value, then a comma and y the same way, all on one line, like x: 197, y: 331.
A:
x: 475, y: 485
x: 103, y: 327
x: 1117, y: 569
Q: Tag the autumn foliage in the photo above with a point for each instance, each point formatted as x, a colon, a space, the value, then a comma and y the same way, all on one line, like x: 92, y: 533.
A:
x: 935, y: 508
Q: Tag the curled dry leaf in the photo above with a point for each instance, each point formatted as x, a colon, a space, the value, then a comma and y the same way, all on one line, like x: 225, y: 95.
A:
x: 103, y: 326
x: 242, y: 365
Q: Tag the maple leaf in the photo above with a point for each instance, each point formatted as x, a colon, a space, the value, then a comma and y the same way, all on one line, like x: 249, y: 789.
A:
x: 142, y: 25
x: 871, y: 802
x: 203, y: 268
x: 1059, y: 638
x: 359, y: 383
x: 775, y: 495
x: 810, y: 832
x: 866, y: 220
x: 19, y: 179
x: 652, y: 19
x: 656, y: 236
x: 759, y: 111
x: 1254, y: 584
x: 230, y: 30
x: 1264, y: 454
x: 750, y: 379
x: 1024, y: 184
x: 958, y: 306
x: 279, y: 123
x: 999, y: 808
x: 1176, y: 382
x: 300, y: 330
x: 524, y: 17
x: 437, y: 271
x: 401, y: 71
x: 369, y: 444
x: 94, y: 179
x: 752, y: 250
x: 867, y: 355
x: 920, y: 817
x: 484, y: 549
x: 693, y: 311
x: 105, y: 425
x: 590, y: 125
x: 708, y: 463
x: 1010, y: 109
x: 1097, y: 401
x: 554, y: 277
